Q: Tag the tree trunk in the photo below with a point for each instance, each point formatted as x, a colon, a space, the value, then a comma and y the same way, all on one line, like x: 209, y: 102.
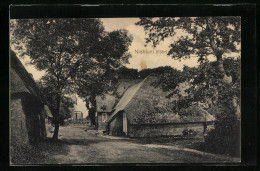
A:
x: 56, y: 132
x: 228, y: 80
x: 56, y: 120
x: 93, y: 106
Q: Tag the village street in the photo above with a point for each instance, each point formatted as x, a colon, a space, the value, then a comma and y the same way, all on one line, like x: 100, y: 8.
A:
x: 87, y: 147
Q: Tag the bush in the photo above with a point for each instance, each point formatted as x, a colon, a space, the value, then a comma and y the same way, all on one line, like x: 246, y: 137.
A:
x: 225, y: 138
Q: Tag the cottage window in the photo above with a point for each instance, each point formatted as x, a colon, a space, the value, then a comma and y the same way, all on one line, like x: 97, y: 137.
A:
x: 104, y: 117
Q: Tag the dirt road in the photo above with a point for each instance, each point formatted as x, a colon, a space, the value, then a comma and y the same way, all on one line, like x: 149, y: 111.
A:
x: 87, y: 147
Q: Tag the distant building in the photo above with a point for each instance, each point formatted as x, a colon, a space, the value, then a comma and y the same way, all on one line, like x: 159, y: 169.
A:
x: 76, y: 115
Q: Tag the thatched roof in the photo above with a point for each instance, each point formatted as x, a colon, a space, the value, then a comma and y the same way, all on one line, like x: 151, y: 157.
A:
x: 124, y: 84
x: 140, y: 98
x: 126, y: 98
x: 21, y: 80
x: 204, y: 115
x: 16, y: 83
x: 107, y: 103
x: 145, y: 99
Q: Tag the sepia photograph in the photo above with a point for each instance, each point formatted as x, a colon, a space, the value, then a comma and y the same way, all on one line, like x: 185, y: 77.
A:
x: 140, y: 90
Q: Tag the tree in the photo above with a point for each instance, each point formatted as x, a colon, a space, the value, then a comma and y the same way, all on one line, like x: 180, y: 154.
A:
x: 201, y: 36
x: 49, y: 97
x: 127, y: 73
x: 108, y: 56
x: 218, y: 82
x: 57, y: 46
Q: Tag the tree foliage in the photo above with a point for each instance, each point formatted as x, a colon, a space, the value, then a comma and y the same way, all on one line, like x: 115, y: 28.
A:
x: 107, y: 57
x: 201, y: 36
x: 127, y: 73
x: 100, y: 75
x: 63, y: 48
x: 56, y: 45
x: 216, y: 83
x: 227, y: 132
x: 50, y: 98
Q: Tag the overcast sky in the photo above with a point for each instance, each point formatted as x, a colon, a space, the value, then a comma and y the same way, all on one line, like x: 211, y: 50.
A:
x: 152, y: 60
x: 138, y: 61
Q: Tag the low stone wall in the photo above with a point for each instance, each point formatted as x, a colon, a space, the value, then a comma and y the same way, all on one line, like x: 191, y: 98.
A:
x: 167, y: 129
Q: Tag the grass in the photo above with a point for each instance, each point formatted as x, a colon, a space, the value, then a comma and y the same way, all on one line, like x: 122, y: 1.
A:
x: 192, y: 142
x: 38, y: 153
x: 182, y: 141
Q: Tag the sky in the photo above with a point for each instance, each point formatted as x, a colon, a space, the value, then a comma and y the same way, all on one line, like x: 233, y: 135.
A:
x: 152, y: 60
x: 139, y: 60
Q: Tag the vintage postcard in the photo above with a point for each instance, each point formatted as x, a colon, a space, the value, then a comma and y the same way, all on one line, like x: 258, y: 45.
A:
x: 125, y: 90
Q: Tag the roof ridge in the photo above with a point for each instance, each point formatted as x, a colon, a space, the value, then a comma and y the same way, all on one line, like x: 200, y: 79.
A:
x: 116, y: 110
x: 141, y: 83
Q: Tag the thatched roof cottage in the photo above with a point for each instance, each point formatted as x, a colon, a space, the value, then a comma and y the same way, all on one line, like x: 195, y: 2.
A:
x: 27, y: 109
x: 105, y: 105
x: 144, y: 111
